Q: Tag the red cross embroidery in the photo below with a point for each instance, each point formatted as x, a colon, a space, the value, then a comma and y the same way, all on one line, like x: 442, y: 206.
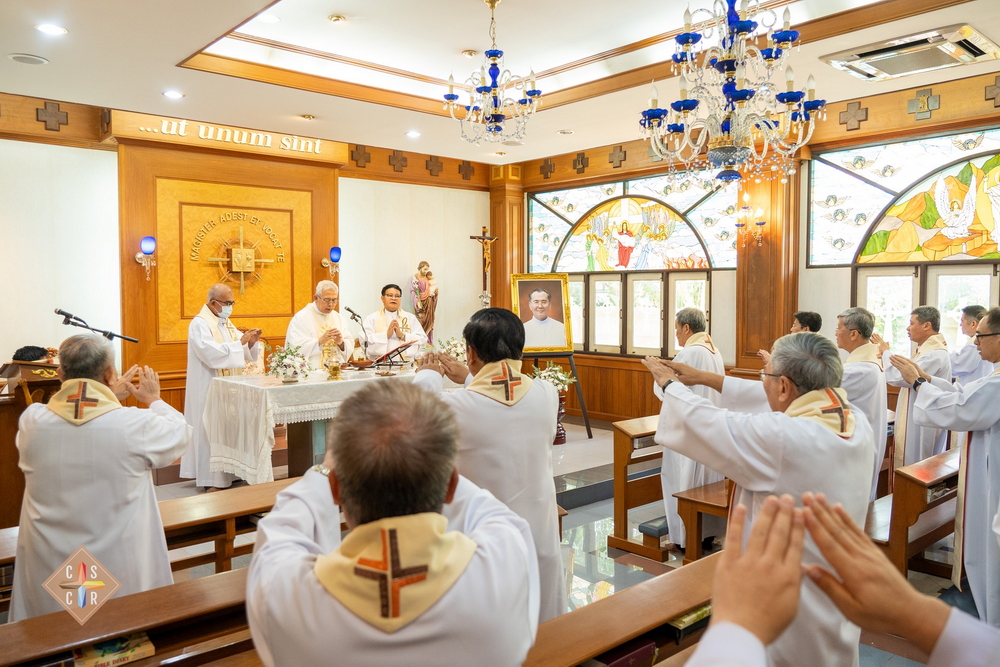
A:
x: 390, y: 581
x: 508, y: 378
x: 81, y: 401
x: 838, y: 408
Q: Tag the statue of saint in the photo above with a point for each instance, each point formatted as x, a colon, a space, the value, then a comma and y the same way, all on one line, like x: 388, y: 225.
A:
x: 424, y: 294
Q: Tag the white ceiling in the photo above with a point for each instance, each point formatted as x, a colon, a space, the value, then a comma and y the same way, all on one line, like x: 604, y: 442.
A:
x: 124, y: 54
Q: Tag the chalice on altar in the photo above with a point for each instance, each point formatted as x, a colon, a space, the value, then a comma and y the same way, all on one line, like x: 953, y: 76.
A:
x: 331, y: 362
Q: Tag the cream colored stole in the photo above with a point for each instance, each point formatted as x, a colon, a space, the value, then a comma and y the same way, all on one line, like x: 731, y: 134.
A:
x: 827, y: 407
x: 213, y: 325
x: 500, y: 382
x: 389, y: 572
x: 80, y: 400
x: 382, y: 325
x: 935, y: 342
x: 866, y: 353
x: 702, y: 339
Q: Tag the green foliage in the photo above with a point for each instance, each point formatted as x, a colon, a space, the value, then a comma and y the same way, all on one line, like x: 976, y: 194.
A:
x: 965, y: 176
x: 931, y: 214
x: 876, y: 243
x: 992, y: 163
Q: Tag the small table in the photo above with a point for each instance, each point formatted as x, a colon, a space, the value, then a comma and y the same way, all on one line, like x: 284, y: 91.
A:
x: 710, y: 499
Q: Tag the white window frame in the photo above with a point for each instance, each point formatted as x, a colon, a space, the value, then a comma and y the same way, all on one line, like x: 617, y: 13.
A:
x: 672, y: 279
x: 946, y: 269
x: 912, y: 272
x: 592, y: 314
x: 630, y: 281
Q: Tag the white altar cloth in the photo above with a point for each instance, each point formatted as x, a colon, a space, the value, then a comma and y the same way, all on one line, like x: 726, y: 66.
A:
x: 241, y: 412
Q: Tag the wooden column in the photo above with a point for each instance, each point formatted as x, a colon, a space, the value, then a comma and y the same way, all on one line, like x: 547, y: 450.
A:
x: 507, y: 223
x: 767, y: 276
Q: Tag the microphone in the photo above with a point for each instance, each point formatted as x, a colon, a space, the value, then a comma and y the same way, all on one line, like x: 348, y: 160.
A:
x: 68, y: 316
x: 353, y: 314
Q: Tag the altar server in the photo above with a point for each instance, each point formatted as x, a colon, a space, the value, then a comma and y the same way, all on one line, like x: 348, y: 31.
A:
x: 434, y: 571
x: 318, y: 325
x: 391, y: 326
x: 914, y: 442
x: 507, y: 422
x: 864, y: 377
x: 966, y: 364
x: 975, y: 407
x: 679, y: 473
x: 215, y: 348
x: 791, y: 433
x: 86, y: 462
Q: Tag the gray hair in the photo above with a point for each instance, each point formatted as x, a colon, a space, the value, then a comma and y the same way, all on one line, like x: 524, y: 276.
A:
x: 928, y: 314
x: 809, y: 360
x: 394, y: 447
x: 992, y: 317
x: 85, y: 357
x: 974, y: 312
x: 540, y: 289
x: 325, y: 285
x: 216, y: 291
x: 692, y: 317
x: 860, y: 320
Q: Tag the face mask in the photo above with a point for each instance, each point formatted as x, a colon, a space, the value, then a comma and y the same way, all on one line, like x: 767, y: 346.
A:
x: 226, y: 312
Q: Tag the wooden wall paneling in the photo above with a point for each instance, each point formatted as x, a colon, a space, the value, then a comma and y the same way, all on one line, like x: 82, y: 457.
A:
x: 374, y: 163
x: 507, y: 223
x: 19, y: 120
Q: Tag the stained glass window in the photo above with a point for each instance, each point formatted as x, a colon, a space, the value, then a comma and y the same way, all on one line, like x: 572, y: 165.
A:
x: 926, y: 200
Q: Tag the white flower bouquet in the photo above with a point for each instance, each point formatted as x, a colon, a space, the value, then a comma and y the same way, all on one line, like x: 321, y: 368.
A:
x: 288, y: 364
x: 454, y: 346
x: 554, y: 375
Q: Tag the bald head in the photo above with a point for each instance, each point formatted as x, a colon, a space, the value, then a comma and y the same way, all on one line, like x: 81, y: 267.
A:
x: 220, y: 292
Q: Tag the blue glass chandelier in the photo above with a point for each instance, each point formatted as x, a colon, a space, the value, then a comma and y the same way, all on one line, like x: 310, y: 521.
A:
x: 500, y: 103
x: 728, y: 107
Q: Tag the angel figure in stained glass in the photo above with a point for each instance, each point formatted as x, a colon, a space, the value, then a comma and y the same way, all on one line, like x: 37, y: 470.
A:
x: 956, y: 215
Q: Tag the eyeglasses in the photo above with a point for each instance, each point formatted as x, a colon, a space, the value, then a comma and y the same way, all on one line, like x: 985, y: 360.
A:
x: 393, y: 296
x: 330, y: 302
x: 978, y: 335
x: 764, y: 374
x: 225, y: 303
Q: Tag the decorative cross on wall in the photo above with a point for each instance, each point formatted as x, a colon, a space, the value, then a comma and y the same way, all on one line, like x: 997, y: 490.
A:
x: 434, y: 165
x: 581, y: 163
x: 361, y: 156
x: 52, y: 116
x: 616, y: 157
x: 924, y: 104
x: 854, y: 116
x: 993, y: 92
x: 397, y: 160
x: 241, y: 260
x: 487, y: 241
x: 546, y: 168
x: 466, y: 170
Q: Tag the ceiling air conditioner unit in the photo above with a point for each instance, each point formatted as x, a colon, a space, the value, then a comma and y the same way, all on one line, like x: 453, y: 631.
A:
x: 958, y: 44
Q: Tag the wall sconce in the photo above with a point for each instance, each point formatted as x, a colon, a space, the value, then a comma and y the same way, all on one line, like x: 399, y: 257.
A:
x: 147, y: 246
x: 333, y: 262
x: 749, y: 223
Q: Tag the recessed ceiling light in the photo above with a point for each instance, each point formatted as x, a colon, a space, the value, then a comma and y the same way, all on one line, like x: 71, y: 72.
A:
x: 268, y: 18
x: 513, y: 143
x: 499, y: 153
x: 308, y: 116
x: 413, y: 134
x: 337, y: 18
x: 173, y: 94
x: 564, y: 132
x: 470, y: 53
x: 27, y: 59
x: 50, y: 29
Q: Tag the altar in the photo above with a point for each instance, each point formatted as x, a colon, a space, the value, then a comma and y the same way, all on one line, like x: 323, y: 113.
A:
x: 241, y: 413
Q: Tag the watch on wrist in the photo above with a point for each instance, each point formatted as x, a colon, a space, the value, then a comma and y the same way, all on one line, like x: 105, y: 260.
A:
x: 665, y: 385
x: 321, y: 469
x: 919, y: 381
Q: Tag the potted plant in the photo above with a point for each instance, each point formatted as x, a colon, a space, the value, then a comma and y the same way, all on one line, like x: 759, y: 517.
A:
x: 454, y: 346
x: 288, y: 364
x: 559, y: 378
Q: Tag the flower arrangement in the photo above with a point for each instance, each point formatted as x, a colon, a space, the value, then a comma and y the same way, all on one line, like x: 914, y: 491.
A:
x: 454, y: 346
x: 288, y: 364
x: 554, y: 375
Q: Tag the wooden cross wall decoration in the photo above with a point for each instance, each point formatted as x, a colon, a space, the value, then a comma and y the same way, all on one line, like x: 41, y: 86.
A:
x: 993, y: 92
x: 616, y: 157
x: 52, y: 116
x: 854, y: 116
x: 581, y: 163
x: 434, y: 165
x: 546, y: 168
x: 653, y: 156
x: 361, y: 156
x: 397, y: 160
x: 923, y: 105
x: 466, y: 169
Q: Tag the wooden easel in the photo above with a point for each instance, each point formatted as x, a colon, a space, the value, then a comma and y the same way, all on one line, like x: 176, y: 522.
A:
x: 535, y: 356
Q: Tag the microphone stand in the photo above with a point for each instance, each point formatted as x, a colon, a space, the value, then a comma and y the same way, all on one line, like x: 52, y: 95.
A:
x: 357, y: 318
x: 110, y: 335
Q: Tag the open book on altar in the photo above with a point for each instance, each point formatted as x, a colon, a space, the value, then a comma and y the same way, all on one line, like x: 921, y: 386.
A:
x: 394, y: 356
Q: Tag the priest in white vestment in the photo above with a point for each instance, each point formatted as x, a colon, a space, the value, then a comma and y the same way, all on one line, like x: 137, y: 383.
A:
x: 319, y: 325
x: 677, y: 472
x: 966, y: 363
x: 435, y: 570
x: 973, y: 407
x: 794, y: 432
x: 864, y: 378
x: 215, y: 348
x: 87, y: 463
x: 542, y: 330
x: 914, y: 442
x: 507, y: 422
x: 391, y: 326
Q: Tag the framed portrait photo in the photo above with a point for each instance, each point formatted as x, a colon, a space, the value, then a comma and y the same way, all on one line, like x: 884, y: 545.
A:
x: 541, y: 300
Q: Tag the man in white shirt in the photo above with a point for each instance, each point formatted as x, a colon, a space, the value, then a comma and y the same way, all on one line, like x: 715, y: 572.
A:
x: 542, y: 330
x: 864, y: 378
x: 914, y: 442
x: 319, y: 325
x: 514, y: 464
x: 791, y: 433
x: 434, y: 571
x: 87, y: 463
x: 966, y: 364
x: 391, y: 326
x: 215, y: 348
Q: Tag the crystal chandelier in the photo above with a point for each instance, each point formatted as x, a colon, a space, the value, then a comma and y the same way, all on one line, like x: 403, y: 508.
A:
x: 500, y: 103
x: 727, y: 102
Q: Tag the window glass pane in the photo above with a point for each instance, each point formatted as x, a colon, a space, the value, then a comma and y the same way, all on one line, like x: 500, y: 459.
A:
x: 690, y: 294
x: 647, y: 304
x: 576, y: 310
x: 682, y: 190
x: 715, y: 220
x: 546, y: 230
x: 890, y: 299
x: 607, y: 312
x: 571, y: 204
x: 842, y: 209
x: 955, y: 292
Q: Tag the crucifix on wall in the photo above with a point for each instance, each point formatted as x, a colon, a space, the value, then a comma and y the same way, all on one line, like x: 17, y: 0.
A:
x: 487, y: 241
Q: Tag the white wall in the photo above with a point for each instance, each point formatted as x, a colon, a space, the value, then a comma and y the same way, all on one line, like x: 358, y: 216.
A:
x: 723, y: 314
x: 58, y: 242
x: 387, y: 228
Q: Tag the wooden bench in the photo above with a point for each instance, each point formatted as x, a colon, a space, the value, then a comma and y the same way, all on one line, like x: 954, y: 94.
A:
x: 641, y: 610
x: 919, y: 512
x: 631, y: 437
x: 712, y: 499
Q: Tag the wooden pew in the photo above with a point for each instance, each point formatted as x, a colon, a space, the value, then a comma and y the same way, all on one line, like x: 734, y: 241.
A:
x: 919, y: 512
x: 632, y: 436
x: 712, y: 499
x: 573, y: 638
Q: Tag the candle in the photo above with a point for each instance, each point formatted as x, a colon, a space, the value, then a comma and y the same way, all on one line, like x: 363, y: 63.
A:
x: 482, y: 76
x: 811, y: 87
x: 740, y: 75
x: 743, y: 10
x: 531, y: 77
x: 787, y: 17
x: 687, y: 19
x: 684, y: 87
x: 451, y: 84
x: 653, y: 95
x: 790, y: 78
